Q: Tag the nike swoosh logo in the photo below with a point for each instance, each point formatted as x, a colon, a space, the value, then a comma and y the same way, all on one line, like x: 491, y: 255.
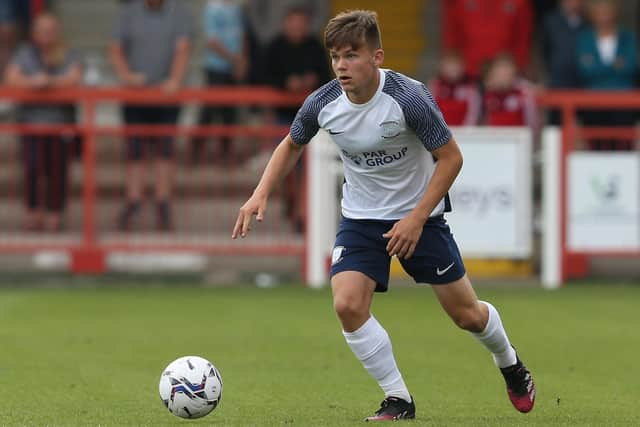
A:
x: 335, y: 133
x: 441, y: 272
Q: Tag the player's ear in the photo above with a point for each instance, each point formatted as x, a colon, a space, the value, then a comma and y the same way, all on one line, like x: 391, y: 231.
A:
x: 378, y: 57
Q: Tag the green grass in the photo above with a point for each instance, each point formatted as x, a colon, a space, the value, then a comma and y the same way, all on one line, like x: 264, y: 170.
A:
x: 93, y: 356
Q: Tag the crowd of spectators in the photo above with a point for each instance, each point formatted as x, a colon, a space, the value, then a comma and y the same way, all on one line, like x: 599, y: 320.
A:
x: 485, y: 75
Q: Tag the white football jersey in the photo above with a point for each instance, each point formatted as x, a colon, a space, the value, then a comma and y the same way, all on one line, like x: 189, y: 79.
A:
x: 384, y: 143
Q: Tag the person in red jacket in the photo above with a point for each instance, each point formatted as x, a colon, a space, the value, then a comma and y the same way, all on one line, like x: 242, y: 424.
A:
x: 456, y: 94
x: 482, y: 29
x: 507, y: 100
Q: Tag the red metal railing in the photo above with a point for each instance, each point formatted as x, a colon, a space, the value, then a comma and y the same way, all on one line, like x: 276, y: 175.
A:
x: 88, y: 253
x: 574, y: 263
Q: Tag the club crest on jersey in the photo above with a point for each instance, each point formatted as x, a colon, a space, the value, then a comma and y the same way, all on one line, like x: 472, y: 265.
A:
x: 390, y: 129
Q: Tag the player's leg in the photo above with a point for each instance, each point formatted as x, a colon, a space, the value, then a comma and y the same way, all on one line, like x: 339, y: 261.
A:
x: 483, y: 321
x: 437, y: 260
x: 352, y: 295
x: 360, y: 267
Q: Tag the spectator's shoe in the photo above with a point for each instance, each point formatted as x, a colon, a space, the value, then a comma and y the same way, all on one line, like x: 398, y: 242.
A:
x: 163, y: 217
x: 520, y: 386
x: 394, y: 409
x: 126, y: 217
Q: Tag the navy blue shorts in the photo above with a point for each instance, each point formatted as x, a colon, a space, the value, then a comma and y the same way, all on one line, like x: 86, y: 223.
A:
x: 360, y: 247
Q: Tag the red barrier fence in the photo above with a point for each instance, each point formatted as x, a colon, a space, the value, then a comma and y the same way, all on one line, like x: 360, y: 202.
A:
x: 88, y: 248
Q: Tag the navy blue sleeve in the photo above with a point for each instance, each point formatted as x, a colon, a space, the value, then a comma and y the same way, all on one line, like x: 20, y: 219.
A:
x: 305, y: 125
x: 424, y: 117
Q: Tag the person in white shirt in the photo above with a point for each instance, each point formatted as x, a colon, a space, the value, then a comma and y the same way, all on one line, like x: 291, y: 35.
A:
x: 400, y: 160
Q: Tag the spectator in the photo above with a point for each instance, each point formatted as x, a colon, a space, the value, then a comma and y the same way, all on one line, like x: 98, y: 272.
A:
x: 43, y: 64
x: 560, y: 35
x: 507, y: 100
x: 482, y: 29
x: 457, y: 96
x: 7, y: 31
x: 607, y: 60
x: 226, y: 61
x: 296, y: 60
x: 150, y: 48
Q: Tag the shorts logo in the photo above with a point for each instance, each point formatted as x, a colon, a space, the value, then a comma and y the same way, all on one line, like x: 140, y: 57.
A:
x: 441, y: 272
x: 336, y: 256
x: 390, y: 129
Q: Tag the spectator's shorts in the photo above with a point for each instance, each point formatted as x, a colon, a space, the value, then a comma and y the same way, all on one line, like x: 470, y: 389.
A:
x: 150, y: 115
x: 360, y: 247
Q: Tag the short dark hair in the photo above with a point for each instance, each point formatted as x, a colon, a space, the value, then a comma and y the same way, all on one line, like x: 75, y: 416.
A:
x: 353, y: 28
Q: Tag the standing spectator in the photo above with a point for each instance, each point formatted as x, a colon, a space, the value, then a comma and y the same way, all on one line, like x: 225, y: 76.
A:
x: 150, y: 48
x: 507, y: 100
x: 7, y: 31
x: 296, y: 60
x: 560, y: 35
x: 457, y: 96
x: 225, y: 61
x: 482, y: 29
x: 43, y: 64
x: 607, y: 60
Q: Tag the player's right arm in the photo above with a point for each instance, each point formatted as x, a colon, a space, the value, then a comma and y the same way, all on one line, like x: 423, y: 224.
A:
x: 283, y: 159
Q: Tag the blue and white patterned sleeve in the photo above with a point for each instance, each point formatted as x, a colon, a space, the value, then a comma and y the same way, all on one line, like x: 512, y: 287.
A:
x: 305, y: 125
x: 423, y: 116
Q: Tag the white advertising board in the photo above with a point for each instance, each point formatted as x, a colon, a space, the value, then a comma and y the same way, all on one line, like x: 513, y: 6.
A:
x: 491, y: 197
x: 604, y: 201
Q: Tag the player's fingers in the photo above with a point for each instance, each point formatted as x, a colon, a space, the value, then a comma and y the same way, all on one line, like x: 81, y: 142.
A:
x: 246, y: 224
x: 412, y: 249
x: 404, y: 247
x: 260, y: 215
x: 238, y: 226
x: 389, y: 233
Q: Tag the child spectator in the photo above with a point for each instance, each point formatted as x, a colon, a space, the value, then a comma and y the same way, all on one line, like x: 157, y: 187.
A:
x: 225, y: 62
x: 507, y: 100
x: 456, y: 95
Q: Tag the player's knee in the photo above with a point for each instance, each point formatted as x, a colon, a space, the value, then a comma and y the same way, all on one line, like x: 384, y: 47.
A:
x: 470, y: 320
x: 348, y: 308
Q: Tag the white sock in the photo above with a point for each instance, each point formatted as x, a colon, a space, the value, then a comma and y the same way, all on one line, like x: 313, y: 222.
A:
x: 495, y: 339
x: 372, y: 346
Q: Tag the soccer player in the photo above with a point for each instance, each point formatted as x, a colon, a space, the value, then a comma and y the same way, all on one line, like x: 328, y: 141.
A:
x: 400, y: 160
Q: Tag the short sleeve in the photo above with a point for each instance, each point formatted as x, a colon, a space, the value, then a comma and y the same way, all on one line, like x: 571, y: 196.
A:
x: 121, y: 28
x: 184, y: 23
x: 211, y: 21
x: 425, y: 118
x: 25, y: 59
x: 305, y: 125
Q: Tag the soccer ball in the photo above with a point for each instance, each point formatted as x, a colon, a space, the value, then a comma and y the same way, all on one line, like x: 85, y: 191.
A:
x: 190, y: 387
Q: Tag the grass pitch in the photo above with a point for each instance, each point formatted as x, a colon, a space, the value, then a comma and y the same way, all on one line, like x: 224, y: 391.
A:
x: 93, y: 356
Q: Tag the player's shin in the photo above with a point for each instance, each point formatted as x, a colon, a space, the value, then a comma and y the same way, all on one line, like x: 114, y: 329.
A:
x: 495, y: 339
x: 372, y: 346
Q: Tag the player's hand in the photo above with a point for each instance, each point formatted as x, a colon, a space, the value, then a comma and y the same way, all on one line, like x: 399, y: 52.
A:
x: 171, y: 86
x: 256, y: 205
x: 40, y: 81
x: 403, y: 236
x: 135, y: 79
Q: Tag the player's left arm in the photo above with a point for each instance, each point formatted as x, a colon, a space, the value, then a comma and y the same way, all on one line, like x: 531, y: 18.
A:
x: 404, y: 235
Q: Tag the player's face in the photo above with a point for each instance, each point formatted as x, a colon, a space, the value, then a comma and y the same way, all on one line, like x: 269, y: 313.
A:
x: 357, y: 70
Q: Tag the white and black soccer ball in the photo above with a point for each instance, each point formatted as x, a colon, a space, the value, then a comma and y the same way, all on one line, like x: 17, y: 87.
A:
x: 190, y: 387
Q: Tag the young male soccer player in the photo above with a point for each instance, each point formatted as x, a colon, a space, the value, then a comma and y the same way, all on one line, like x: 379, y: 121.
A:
x: 399, y: 162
